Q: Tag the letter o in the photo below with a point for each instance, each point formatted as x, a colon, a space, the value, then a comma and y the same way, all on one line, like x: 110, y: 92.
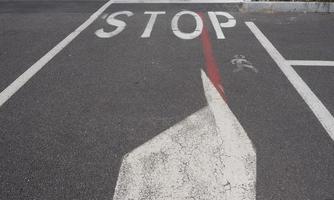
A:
x: 187, y: 36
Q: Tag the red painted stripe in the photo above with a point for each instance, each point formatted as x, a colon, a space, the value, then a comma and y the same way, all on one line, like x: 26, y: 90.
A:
x: 211, y: 64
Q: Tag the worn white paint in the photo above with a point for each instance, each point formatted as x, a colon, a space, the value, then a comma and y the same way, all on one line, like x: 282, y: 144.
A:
x: 111, y: 20
x: 242, y: 63
x: 120, y: 25
x: 311, y: 63
x: 218, y: 26
x: 208, y: 155
x: 240, y: 155
x: 150, y: 24
x: 187, y: 36
x: 104, y: 16
x: 32, y: 70
x: 317, y: 107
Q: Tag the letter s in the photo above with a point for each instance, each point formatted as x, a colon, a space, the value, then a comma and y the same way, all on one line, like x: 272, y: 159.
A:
x: 114, y: 22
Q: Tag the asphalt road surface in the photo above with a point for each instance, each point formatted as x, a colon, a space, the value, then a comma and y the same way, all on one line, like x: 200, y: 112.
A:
x: 75, y: 104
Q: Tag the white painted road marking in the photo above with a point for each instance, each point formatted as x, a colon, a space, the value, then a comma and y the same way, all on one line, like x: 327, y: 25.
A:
x: 120, y: 25
x: 218, y: 26
x: 311, y: 63
x: 208, y: 155
x: 150, y: 24
x: 187, y: 36
x: 29, y: 73
x: 241, y: 62
x: 114, y: 22
x: 319, y: 110
x: 240, y: 155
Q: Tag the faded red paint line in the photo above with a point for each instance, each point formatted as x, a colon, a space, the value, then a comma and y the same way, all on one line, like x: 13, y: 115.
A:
x: 212, y: 68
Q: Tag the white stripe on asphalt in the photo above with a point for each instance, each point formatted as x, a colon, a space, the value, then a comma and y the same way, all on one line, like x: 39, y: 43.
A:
x: 206, y: 156
x: 319, y: 110
x: 311, y: 63
x: 29, y: 73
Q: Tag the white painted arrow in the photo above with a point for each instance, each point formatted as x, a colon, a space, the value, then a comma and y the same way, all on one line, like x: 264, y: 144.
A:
x: 208, y: 155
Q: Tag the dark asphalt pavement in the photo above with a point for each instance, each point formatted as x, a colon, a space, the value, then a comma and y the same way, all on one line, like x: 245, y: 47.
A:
x: 63, y: 135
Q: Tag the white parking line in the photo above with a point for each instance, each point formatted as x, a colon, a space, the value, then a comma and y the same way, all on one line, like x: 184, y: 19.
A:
x: 320, y: 111
x: 29, y: 73
x: 311, y: 63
